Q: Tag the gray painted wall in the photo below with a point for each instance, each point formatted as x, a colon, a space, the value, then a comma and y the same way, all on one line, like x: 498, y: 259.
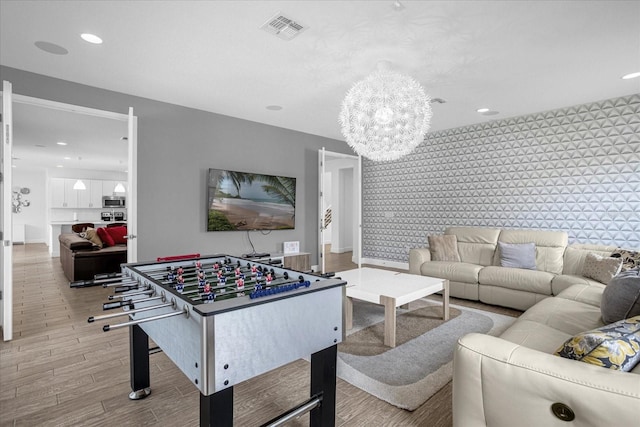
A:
x: 176, y: 146
x: 575, y: 169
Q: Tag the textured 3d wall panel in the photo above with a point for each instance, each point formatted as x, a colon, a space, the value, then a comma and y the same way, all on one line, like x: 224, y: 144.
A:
x: 575, y: 169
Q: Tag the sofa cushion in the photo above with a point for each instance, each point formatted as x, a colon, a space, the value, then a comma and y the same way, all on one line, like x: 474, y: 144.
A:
x: 550, y: 247
x: 575, y: 254
x: 614, y: 346
x: 455, y: 271
x: 599, y: 268
x: 476, y: 245
x: 92, y: 235
x: 443, y: 248
x: 517, y: 255
x: 563, y: 281
x: 117, y: 234
x: 588, y: 294
x: 516, y: 278
x: 106, y: 238
x: 569, y: 315
x: 621, y: 297
x: 104, y: 252
x: 630, y: 258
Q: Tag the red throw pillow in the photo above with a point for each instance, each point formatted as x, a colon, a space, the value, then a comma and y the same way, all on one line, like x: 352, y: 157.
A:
x: 117, y: 234
x: 107, y: 240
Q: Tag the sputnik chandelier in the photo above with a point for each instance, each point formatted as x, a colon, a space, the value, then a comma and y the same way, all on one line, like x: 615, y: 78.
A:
x: 386, y: 115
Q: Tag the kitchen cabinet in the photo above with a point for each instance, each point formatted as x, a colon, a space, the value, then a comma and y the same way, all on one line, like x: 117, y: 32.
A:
x: 64, y: 196
x: 92, y: 196
x: 62, y: 193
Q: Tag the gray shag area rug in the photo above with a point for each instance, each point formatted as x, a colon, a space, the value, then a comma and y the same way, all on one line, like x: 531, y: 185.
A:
x: 422, y: 363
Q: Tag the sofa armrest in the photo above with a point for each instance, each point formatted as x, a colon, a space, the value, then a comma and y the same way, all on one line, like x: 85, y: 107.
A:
x: 498, y: 383
x: 74, y: 242
x: 416, y: 257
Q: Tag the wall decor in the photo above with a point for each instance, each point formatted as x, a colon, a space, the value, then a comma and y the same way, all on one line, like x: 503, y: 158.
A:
x: 17, y: 201
x: 575, y: 169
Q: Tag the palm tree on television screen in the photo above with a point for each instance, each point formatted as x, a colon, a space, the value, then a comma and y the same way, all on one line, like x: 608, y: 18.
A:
x: 281, y: 188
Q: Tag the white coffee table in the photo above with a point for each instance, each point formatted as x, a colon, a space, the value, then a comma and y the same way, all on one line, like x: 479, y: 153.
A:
x: 390, y: 289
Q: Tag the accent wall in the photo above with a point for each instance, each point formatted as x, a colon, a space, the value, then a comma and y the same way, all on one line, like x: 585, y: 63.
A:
x: 575, y: 169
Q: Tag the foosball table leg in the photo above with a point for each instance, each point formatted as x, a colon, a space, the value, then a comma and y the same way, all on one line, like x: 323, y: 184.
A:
x: 323, y: 383
x: 216, y: 410
x: 139, y: 361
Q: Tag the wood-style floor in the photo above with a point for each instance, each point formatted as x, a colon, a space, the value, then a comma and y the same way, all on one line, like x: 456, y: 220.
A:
x: 60, y: 370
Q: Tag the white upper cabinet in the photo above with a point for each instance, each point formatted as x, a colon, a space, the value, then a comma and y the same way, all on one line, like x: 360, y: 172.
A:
x: 62, y: 193
x: 92, y: 196
x: 64, y: 196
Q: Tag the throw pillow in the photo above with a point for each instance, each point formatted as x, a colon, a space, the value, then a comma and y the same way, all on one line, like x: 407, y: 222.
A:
x: 518, y: 255
x: 621, y: 297
x: 92, y: 235
x: 444, y: 248
x: 117, y: 234
x: 614, y: 346
x: 107, y: 240
x: 600, y: 268
x: 630, y: 259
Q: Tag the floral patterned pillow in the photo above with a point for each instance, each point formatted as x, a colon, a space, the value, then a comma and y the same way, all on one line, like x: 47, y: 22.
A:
x: 630, y: 258
x: 614, y: 346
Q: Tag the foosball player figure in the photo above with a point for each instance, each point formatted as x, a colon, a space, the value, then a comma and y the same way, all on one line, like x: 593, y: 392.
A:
x: 198, y: 265
x: 200, y: 275
x: 208, y: 295
x: 201, y: 284
x: 240, y: 286
x: 220, y: 274
x: 216, y: 266
x: 222, y: 280
x: 237, y: 271
x: 268, y: 278
x: 254, y: 270
x: 180, y: 271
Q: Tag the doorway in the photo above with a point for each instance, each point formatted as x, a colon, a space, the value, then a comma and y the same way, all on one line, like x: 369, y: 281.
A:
x: 23, y: 126
x: 340, y: 209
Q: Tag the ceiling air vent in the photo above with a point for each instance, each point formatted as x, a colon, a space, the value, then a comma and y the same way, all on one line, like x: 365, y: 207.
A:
x: 283, y: 27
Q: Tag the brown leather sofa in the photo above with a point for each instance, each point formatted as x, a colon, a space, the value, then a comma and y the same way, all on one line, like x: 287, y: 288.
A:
x: 81, y: 261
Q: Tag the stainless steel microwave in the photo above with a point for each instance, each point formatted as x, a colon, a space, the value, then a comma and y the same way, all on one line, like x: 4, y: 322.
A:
x: 113, y: 202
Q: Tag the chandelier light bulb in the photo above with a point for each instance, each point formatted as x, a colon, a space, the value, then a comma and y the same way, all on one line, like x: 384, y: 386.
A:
x: 385, y: 116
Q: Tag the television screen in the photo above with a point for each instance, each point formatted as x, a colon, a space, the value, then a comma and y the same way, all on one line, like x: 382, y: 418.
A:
x: 250, y: 201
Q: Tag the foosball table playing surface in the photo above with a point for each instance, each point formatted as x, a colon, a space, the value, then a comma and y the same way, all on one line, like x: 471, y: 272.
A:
x: 223, y: 320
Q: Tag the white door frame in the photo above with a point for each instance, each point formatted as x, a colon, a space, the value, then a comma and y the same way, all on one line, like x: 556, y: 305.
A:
x: 132, y: 131
x: 6, y: 258
x: 357, y: 190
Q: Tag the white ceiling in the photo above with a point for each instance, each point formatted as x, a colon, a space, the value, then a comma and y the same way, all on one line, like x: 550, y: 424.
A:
x: 514, y: 57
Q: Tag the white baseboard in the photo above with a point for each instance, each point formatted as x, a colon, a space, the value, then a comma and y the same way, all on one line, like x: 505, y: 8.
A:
x: 386, y: 263
x: 337, y: 250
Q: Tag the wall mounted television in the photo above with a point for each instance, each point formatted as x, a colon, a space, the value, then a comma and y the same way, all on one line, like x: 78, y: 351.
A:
x: 250, y: 201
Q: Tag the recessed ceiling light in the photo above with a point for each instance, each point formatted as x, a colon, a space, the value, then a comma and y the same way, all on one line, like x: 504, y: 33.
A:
x: 631, y: 75
x: 91, y: 38
x: 67, y: 158
x: 51, y: 48
x: 59, y: 166
x: 273, y: 107
x: 482, y: 110
x: 61, y: 143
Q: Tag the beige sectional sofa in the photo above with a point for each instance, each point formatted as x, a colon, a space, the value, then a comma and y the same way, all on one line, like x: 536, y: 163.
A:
x: 514, y: 379
x: 479, y: 276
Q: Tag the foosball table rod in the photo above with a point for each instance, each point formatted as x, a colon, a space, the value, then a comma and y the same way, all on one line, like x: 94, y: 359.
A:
x: 184, y: 312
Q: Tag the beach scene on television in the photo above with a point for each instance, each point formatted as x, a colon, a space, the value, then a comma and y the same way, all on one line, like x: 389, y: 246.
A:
x: 249, y: 201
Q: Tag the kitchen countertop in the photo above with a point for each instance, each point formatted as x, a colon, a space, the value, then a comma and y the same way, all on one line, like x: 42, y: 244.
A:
x: 82, y: 221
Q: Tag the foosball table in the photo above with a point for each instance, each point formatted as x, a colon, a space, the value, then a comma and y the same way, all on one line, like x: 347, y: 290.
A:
x: 223, y: 320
